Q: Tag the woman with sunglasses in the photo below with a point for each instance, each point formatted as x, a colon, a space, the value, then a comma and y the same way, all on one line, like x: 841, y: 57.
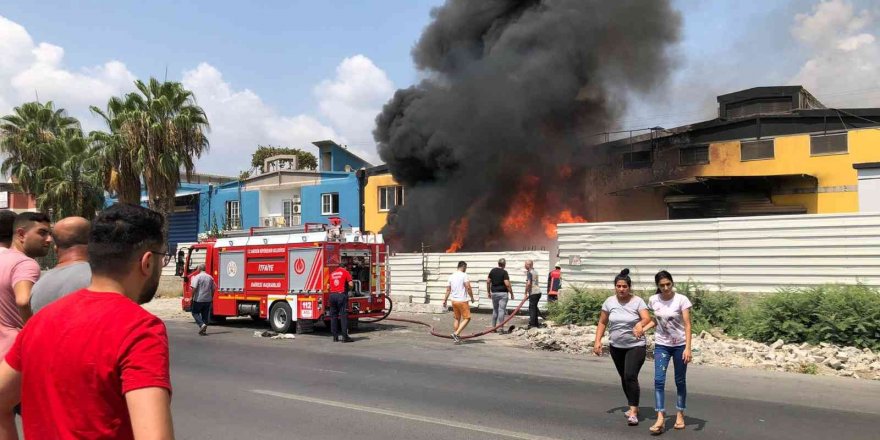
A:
x: 672, y: 341
x: 625, y: 315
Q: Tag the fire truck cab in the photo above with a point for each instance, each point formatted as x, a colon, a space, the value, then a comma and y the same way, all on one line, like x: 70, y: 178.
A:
x: 283, y: 277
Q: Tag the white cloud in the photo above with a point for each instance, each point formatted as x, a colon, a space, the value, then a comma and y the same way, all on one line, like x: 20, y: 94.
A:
x: 844, y: 53
x: 240, y: 120
x: 353, y: 98
x: 29, y: 70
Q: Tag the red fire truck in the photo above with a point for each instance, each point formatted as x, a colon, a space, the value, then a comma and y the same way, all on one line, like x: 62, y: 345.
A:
x: 283, y: 277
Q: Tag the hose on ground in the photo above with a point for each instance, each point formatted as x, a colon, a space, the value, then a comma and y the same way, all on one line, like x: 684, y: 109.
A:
x: 440, y: 335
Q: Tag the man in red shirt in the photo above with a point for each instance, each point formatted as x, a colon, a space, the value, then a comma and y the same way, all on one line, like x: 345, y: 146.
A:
x: 94, y: 364
x: 340, y: 282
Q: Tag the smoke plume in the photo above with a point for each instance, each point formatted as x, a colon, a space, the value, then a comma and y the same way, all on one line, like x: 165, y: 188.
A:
x: 492, y: 146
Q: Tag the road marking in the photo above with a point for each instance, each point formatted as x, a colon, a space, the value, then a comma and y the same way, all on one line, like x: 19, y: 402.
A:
x: 401, y: 415
x: 330, y: 371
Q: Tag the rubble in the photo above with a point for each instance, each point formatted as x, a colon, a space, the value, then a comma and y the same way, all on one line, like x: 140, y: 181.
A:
x: 718, y: 349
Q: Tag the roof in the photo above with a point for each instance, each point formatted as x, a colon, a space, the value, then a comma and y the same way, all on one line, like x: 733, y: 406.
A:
x: 866, y: 165
x: 329, y: 144
x: 377, y: 170
x: 762, y: 92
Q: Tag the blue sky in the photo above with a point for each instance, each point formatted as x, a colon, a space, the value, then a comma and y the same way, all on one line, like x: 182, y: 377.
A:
x: 287, y: 72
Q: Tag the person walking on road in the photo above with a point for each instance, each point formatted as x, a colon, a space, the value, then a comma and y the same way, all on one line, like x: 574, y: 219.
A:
x: 340, y: 283
x: 202, y: 296
x: 94, y: 364
x: 626, y: 316
x: 71, y: 239
x: 499, y: 291
x: 672, y: 341
x: 459, y: 287
x: 19, y: 271
x: 533, y: 291
x: 554, y: 284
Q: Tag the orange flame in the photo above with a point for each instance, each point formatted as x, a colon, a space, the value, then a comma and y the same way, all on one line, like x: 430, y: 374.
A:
x: 521, y: 213
x: 565, y: 216
x: 565, y: 171
x: 459, y: 230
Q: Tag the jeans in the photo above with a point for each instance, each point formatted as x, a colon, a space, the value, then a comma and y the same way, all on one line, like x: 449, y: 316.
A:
x: 629, y: 362
x: 533, y: 309
x: 201, y: 311
x: 338, y: 309
x: 662, y: 355
x: 499, y: 307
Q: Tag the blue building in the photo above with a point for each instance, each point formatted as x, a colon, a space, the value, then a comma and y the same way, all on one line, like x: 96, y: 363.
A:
x: 282, y: 197
x: 286, y: 196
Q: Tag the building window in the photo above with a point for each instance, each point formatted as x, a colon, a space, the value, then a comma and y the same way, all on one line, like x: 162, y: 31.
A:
x: 637, y: 159
x: 757, y: 150
x: 233, y: 214
x: 698, y: 155
x: 828, y: 144
x: 330, y: 204
x: 390, y: 197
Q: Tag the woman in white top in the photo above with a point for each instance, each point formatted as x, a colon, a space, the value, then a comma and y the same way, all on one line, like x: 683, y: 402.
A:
x: 625, y: 315
x: 672, y: 341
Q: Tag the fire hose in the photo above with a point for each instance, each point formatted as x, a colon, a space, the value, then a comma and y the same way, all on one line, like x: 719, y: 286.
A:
x: 441, y: 335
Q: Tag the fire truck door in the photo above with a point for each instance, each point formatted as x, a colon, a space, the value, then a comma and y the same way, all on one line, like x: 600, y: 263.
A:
x: 305, y: 269
x: 231, y: 272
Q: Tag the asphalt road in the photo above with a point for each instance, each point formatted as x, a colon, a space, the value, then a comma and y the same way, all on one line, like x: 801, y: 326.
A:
x: 395, y: 382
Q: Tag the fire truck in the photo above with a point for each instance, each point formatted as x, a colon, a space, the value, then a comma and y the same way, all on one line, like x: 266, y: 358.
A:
x: 284, y: 277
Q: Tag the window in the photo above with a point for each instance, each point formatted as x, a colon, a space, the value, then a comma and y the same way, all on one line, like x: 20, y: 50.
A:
x: 637, y: 159
x: 828, y: 144
x: 698, y: 155
x: 390, y: 197
x: 233, y: 214
x: 330, y: 204
x: 757, y: 150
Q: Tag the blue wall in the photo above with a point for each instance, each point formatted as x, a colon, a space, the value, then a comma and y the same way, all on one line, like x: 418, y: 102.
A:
x: 215, y: 203
x: 340, y: 157
x: 349, y: 202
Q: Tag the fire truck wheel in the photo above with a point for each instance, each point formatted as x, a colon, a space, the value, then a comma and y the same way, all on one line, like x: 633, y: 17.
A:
x: 281, y: 317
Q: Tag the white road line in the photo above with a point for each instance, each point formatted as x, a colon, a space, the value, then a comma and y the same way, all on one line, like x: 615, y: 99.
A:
x: 401, y: 415
x: 330, y: 371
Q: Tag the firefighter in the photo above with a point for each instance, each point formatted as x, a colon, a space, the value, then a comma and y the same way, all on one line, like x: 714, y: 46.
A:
x: 340, y: 283
x: 554, y: 284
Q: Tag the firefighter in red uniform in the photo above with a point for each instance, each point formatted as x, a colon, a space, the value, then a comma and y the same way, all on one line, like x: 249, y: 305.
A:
x: 554, y: 284
x: 340, y: 282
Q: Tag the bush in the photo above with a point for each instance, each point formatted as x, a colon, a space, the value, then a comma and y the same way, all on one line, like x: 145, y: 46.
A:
x: 837, y: 314
x: 711, y: 309
x: 578, y: 306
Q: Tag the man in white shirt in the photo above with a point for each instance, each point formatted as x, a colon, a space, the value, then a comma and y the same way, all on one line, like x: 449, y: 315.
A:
x: 460, y: 288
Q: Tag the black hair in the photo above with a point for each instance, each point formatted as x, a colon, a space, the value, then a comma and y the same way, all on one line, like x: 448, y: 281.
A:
x: 462, y: 264
x: 623, y: 276
x: 662, y: 275
x: 7, y: 220
x: 120, y: 234
x: 25, y: 219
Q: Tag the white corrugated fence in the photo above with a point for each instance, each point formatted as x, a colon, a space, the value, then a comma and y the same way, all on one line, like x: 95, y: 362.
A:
x: 740, y: 254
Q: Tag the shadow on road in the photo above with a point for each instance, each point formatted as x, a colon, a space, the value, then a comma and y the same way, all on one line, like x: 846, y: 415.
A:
x: 648, y: 413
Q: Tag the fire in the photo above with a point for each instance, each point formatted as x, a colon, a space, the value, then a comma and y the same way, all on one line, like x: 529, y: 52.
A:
x: 459, y: 230
x: 565, y: 216
x: 565, y: 171
x: 521, y: 213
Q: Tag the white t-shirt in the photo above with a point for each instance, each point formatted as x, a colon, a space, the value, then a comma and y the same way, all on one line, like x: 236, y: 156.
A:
x: 457, y: 285
x: 668, y: 314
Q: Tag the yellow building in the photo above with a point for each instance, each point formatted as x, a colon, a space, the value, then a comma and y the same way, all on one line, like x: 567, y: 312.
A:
x: 381, y: 195
x: 772, y: 150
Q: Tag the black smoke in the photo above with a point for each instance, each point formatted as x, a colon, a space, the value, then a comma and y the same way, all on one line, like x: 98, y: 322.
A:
x: 514, y: 91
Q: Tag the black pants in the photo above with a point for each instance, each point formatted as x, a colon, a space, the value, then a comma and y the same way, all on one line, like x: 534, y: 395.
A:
x: 629, y: 362
x: 533, y: 309
x: 201, y: 311
x: 339, y: 310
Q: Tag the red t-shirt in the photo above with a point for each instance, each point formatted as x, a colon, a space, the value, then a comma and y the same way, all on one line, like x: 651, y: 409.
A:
x: 78, y: 357
x: 339, y: 278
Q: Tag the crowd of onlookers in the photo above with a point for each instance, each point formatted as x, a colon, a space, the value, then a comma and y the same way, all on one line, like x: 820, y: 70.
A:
x: 80, y: 357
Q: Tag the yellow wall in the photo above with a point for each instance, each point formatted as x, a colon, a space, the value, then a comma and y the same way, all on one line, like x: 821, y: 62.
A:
x: 374, y: 220
x: 837, y: 180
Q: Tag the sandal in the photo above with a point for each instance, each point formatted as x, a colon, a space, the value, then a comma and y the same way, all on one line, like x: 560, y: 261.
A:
x: 657, y: 429
x: 632, y: 419
x: 678, y: 425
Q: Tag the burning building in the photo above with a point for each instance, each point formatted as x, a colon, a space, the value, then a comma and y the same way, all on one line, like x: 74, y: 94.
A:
x: 491, y: 144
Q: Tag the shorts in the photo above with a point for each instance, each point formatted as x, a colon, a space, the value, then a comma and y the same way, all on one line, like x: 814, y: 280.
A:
x: 461, y: 310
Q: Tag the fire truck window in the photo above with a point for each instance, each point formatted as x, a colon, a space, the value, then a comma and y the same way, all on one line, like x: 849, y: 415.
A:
x: 196, y: 257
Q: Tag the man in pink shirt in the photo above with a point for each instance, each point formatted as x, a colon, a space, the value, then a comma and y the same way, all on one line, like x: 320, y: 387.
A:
x: 31, y: 238
x: 7, y: 218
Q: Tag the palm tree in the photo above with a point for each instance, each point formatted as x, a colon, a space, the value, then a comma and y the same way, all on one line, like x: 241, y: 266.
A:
x: 72, y: 177
x: 119, y: 173
x: 27, y: 138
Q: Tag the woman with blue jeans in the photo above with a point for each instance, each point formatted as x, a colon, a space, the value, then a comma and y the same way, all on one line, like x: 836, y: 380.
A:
x: 672, y: 342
